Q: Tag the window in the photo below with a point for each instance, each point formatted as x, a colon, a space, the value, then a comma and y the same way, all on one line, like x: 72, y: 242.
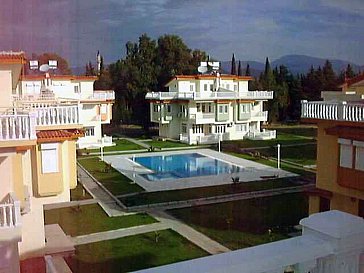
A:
x: 324, y: 204
x: 89, y: 131
x: 198, y: 106
x: 169, y: 108
x: 220, y: 129
x: 346, y: 153
x: 76, y: 89
x: 192, y: 87
x: 203, y: 108
x: 359, y: 155
x: 211, y: 87
x: 226, y: 108
x: 197, y: 129
x: 235, y: 87
x: 103, y: 109
x: 184, y: 128
x: 155, y: 107
x: 241, y: 127
x: 49, y: 157
x: 221, y: 109
x: 245, y: 108
x: 205, y: 87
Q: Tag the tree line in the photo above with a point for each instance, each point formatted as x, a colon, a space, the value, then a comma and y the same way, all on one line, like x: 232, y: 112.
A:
x: 149, y: 64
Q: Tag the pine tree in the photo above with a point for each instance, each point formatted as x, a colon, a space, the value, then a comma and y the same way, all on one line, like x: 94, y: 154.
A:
x: 240, y: 73
x: 233, y: 65
x: 247, y: 70
x: 349, y: 73
x: 330, y: 79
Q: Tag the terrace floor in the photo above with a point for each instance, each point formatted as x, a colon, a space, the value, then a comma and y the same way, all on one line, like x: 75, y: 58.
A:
x: 249, y: 171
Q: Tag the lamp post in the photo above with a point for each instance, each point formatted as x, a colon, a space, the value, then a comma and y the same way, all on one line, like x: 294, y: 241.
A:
x: 278, y: 156
x: 102, y: 149
x: 219, y: 143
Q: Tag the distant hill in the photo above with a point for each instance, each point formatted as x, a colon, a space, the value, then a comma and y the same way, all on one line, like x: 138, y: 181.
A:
x: 297, y: 64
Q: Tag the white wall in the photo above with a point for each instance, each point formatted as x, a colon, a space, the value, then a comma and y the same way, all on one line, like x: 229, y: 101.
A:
x: 6, y: 88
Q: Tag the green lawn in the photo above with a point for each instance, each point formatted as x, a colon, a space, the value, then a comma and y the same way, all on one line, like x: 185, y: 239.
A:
x: 121, y: 145
x: 113, y: 180
x: 133, y: 253
x: 79, y: 193
x: 193, y: 193
x: 282, y: 138
x: 300, y: 130
x: 165, y: 144
x: 246, y: 223
x: 303, y: 155
x: 284, y: 166
x: 86, y: 219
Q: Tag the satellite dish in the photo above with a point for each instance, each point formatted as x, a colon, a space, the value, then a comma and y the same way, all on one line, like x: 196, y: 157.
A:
x: 44, y: 67
x: 202, y: 69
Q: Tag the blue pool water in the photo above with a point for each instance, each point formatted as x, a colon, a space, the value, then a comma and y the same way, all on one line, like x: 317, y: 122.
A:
x: 183, y: 165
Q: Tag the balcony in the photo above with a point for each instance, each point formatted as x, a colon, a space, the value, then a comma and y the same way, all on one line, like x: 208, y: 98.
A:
x: 339, y: 111
x: 10, y: 218
x: 102, y: 95
x: 17, y: 126
x: 203, y: 118
x: 259, y: 116
x: 57, y: 115
x: 209, y: 95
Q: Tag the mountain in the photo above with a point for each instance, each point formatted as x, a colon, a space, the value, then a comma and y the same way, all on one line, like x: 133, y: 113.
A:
x: 297, y: 64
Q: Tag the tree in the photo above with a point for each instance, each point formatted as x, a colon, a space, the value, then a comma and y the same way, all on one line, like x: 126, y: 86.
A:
x: 330, y: 79
x: 240, y: 72
x: 247, y: 70
x: 349, y: 73
x: 90, y: 69
x: 62, y: 65
x: 233, y: 65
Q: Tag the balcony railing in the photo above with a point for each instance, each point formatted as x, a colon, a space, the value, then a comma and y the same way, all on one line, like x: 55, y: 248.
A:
x: 265, y: 134
x: 262, y: 95
x: 10, y: 212
x: 102, y: 95
x: 17, y: 126
x: 341, y: 111
x: 57, y: 115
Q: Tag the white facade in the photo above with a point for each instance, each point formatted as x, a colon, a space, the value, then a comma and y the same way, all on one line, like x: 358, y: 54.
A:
x: 94, y: 107
x: 203, y: 108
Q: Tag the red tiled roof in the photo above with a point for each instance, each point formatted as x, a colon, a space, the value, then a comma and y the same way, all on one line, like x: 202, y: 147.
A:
x: 349, y: 82
x: 58, y: 135
x: 207, y: 77
x: 10, y: 57
x: 59, y: 77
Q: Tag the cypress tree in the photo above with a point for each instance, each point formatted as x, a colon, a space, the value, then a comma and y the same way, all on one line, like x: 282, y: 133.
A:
x: 247, y: 70
x: 233, y: 65
x: 239, y: 69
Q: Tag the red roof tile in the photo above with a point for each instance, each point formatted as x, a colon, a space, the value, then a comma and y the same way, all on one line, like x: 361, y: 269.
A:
x: 58, y: 135
x: 12, y: 57
x: 59, y: 77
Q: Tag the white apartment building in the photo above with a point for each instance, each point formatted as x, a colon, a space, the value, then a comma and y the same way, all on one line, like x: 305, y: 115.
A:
x: 203, y: 108
x: 94, y: 106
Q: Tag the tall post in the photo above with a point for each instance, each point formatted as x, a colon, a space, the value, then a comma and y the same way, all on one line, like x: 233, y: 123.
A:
x: 102, y: 149
x: 219, y: 143
x: 279, y: 156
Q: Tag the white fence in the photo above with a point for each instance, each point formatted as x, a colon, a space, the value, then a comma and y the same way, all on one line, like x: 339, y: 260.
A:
x: 265, y: 134
x: 341, y: 111
x: 263, y: 95
x: 102, y: 95
x: 10, y: 212
x: 17, y: 126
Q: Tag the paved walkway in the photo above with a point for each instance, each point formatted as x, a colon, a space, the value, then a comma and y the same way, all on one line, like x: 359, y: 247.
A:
x: 107, y: 201
x: 118, y: 233
x: 189, y: 233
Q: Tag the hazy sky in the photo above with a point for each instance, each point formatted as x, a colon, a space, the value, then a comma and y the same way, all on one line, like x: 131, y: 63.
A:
x: 252, y: 30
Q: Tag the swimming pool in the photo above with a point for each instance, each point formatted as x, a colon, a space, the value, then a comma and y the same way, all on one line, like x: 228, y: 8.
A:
x: 183, y: 165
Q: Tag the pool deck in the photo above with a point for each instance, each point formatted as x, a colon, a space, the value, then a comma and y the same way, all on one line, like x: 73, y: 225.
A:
x: 251, y: 171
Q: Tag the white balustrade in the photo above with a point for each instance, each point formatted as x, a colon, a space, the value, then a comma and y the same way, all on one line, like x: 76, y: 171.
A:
x: 10, y: 212
x: 57, y: 115
x: 341, y: 111
x: 102, y: 95
x: 264, y: 95
x: 265, y: 134
x: 17, y: 126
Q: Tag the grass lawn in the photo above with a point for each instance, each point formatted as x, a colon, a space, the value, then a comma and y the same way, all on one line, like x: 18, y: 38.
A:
x: 300, y: 130
x: 165, y: 144
x: 303, y: 155
x: 79, y: 193
x: 133, y: 253
x: 193, y: 193
x: 282, y: 138
x: 86, y: 219
x: 284, y: 166
x: 113, y: 180
x: 121, y: 145
x: 245, y: 223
